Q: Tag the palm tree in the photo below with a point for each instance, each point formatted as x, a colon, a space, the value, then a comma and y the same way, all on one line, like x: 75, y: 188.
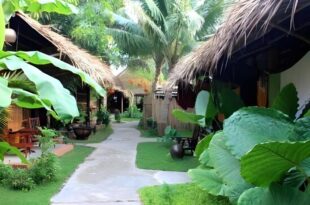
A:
x: 164, y: 29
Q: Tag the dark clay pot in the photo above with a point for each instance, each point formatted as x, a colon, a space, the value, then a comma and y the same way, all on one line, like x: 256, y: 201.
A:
x: 82, y: 133
x: 176, y: 151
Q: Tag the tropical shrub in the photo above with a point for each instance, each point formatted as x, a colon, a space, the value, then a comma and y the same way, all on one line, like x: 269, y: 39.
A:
x: 5, y: 172
x: 151, y: 123
x: 44, y: 169
x: 20, y: 180
x: 132, y: 112
x: 260, y: 157
x: 103, y: 116
x: 170, y: 133
x: 46, y: 139
x: 117, y: 115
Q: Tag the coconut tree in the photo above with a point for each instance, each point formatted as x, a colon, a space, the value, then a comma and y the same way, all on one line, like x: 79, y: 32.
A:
x: 164, y: 29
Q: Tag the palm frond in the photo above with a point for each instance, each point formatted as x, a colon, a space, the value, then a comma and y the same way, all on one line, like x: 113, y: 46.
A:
x: 3, y: 119
x: 129, y: 42
x: 211, y: 12
x: 17, y: 79
x: 152, y: 9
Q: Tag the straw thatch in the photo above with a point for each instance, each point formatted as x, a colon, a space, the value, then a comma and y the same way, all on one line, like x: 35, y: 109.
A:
x: 79, y: 58
x: 246, y: 21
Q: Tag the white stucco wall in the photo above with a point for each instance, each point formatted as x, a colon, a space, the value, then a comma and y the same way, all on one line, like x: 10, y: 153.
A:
x: 299, y: 74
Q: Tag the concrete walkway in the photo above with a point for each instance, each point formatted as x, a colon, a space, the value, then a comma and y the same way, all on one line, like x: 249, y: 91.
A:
x: 109, y: 175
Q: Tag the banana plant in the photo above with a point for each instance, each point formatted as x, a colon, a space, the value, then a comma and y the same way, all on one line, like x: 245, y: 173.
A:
x: 221, y: 99
x: 49, y: 93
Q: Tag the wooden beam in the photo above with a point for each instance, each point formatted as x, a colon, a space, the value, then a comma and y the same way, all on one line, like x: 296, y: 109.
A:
x: 295, y: 35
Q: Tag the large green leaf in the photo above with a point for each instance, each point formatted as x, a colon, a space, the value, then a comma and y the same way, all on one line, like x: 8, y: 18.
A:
x: 287, y: 101
x: 2, y: 27
x: 29, y: 100
x: 39, y: 58
x: 5, y: 148
x: 208, y: 180
x: 203, y: 144
x: 201, y: 104
x: 305, y: 167
x: 225, y: 164
x: 302, y: 127
x: 253, y: 125
x: 275, y: 195
x: 5, y: 93
x: 59, y: 6
x: 269, y: 162
x: 229, y: 101
x: 48, y: 88
x: 187, y: 117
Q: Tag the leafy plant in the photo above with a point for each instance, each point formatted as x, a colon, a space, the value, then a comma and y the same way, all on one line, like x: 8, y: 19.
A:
x: 5, y: 172
x: 103, y: 116
x: 46, y: 140
x: 132, y: 112
x: 170, y: 133
x: 44, y: 169
x: 117, y: 116
x: 20, y: 180
x: 258, y: 146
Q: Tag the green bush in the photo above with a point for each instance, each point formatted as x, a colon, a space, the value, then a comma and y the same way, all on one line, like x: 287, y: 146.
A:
x: 44, y: 169
x: 103, y: 116
x: 117, y: 115
x: 170, y: 133
x: 151, y: 123
x: 20, y: 180
x: 5, y: 172
x: 132, y: 112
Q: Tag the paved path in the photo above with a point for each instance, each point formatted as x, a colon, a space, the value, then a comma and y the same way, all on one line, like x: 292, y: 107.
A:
x: 109, y: 175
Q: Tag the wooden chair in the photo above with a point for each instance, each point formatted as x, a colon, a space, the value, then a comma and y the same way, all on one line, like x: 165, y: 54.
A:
x: 21, y: 139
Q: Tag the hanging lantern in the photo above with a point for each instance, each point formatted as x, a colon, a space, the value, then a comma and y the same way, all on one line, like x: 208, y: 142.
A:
x: 10, y: 35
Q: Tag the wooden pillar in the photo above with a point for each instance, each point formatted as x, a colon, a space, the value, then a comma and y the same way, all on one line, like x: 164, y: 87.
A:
x: 87, y: 105
x: 122, y: 103
x: 99, y: 103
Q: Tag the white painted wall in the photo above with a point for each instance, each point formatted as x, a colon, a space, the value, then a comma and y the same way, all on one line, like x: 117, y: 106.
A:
x: 299, y: 74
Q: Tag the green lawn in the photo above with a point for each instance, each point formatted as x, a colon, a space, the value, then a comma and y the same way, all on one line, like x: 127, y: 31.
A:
x: 180, y: 194
x: 100, y: 136
x: 156, y: 156
x: 42, y: 194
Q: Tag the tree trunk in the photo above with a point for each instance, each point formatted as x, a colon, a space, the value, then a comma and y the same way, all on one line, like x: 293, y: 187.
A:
x: 158, y: 64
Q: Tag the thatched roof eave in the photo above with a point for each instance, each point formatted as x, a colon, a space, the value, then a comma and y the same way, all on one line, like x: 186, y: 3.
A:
x: 246, y: 20
x: 79, y: 57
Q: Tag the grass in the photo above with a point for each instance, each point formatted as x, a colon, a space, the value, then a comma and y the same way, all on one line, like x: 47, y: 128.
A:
x: 100, y: 136
x: 156, y: 156
x: 42, y: 194
x: 180, y: 194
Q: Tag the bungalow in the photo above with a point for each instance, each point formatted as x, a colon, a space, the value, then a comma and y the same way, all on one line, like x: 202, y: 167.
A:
x: 261, y: 46
x: 31, y: 35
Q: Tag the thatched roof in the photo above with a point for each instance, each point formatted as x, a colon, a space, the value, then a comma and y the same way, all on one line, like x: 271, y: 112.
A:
x: 79, y: 57
x: 246, y: 21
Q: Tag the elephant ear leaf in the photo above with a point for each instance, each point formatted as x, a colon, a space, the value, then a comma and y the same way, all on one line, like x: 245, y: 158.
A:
x: 203, y: 144
x: 269, y: 162
x: 253, y: 125
x: 287, y: 101
x: 208, y: 180
x: 275, y: 195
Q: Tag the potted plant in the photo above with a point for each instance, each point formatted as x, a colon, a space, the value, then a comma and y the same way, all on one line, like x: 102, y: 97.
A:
x: 80, y: 129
